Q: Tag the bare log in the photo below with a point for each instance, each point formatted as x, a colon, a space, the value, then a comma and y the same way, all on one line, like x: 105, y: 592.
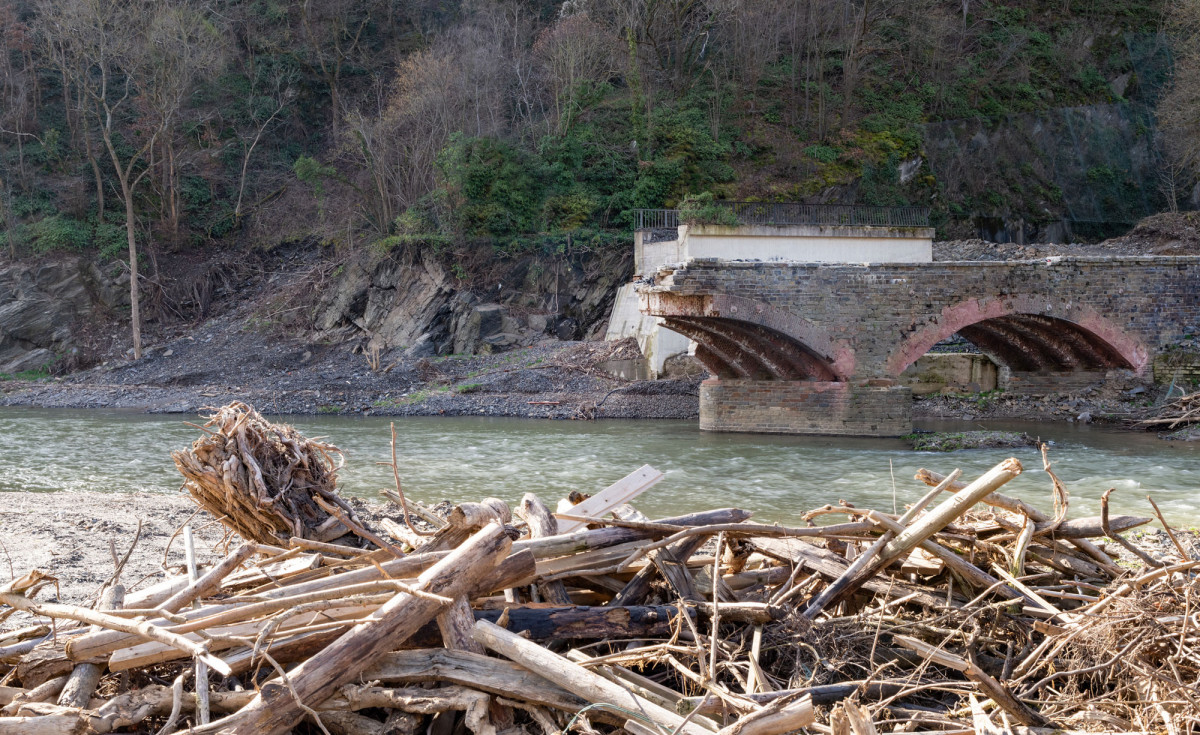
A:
x: 575, y: 678
x: 43, y: 725
x: 478, y: 672
x: 542, y: 525
x: 777, y: 718
x: 279, y: 706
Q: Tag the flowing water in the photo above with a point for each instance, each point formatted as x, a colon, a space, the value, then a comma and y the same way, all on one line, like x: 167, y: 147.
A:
x: 778, y: 477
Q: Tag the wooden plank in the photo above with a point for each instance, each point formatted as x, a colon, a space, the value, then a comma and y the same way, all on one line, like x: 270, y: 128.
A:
x: 619, y: 493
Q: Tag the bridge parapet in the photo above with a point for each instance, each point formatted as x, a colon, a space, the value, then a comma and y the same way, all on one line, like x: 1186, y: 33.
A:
x: 867, y: 323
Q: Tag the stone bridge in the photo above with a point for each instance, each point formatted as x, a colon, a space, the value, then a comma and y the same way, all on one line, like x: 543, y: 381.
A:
x: 818, y: 348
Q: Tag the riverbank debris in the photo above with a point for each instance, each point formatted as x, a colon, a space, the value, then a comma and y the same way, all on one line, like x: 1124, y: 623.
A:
x: 265, y: 481
x: 969, y: 611
x: 1183, y: 411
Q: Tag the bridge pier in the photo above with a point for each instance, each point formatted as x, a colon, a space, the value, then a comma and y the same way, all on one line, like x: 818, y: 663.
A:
x: 805, y: 407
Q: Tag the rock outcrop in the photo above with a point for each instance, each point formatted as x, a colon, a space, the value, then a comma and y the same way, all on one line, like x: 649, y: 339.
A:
x: 40, y: 304
x: 413, y: 303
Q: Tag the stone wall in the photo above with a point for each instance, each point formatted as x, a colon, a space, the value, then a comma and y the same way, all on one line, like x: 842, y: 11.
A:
x: 804, y: 407
x: 1179, y: 367
x: 875, y: 320
x: 1021, y: 383
x: 953, y: 372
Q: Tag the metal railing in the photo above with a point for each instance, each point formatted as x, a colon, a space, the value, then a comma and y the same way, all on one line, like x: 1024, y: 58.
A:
x: 792, y: 213
x: 657, y: 219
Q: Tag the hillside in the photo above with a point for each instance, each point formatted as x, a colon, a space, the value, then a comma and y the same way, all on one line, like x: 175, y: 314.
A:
x: 486, y: 133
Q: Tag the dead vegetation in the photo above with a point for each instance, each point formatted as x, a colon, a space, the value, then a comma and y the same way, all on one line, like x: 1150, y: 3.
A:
x: 1183, y: 411
x: 970, y: 611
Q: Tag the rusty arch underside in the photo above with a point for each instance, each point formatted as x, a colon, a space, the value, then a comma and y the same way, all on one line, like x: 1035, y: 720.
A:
x: 733, y: 349
x: 1038, y: 343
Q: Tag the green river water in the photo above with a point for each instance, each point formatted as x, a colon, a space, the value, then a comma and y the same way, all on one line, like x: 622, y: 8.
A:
x: 778, y: 477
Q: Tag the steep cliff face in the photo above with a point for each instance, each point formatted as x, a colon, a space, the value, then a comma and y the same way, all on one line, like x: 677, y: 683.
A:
x: 41, y: 303
x: 419, y: 303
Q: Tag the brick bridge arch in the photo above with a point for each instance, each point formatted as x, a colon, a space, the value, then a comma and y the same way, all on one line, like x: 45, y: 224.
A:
x: 1029, y: 333
x: 739, y: 338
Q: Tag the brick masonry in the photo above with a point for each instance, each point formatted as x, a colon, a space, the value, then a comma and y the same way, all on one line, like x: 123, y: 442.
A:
x: 804, y: 407
x: 872, y: 321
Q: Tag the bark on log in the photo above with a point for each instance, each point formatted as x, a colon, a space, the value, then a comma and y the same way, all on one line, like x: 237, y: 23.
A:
x: 542, y: 525
x: 83, y: 680
x: 575, y: 678
x: 493, y: 675
x: 277, y: 708
x: 455, y: 624
x: 44, y: 725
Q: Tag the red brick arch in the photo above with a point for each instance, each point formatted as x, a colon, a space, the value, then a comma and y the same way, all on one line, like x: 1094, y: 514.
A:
x: 740, y: 337
x: 1028, y: 333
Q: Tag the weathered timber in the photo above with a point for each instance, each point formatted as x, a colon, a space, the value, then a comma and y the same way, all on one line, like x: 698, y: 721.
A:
x: 43, y: 725
x: 636, y: 590
x: 84, y: 678
x: 831, y: 565
x: 948, y: 510
x: 541, y: 525
x: 620, y: 492
x: 575, y: 678
x: 276, y: 710
x: 1020, y: 507
x: 493, y: 675
x: 781, y: 716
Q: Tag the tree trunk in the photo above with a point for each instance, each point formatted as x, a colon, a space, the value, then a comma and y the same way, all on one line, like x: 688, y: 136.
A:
x: 134, y: 305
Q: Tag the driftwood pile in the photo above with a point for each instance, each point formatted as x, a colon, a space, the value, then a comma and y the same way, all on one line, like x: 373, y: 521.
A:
x: 969, y: 611
x: 263, y: 480
x: 1183, y: 411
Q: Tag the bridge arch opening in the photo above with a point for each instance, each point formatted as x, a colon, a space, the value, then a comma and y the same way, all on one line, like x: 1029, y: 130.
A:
x: 1041, y: 343
x: 1026, y: 342
x: 734, y: 349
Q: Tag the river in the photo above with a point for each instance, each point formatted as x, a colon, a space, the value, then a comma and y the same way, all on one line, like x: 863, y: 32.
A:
x: 778, y: 477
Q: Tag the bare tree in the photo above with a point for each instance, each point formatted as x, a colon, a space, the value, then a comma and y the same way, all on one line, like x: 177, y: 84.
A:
x: 269, y: 92
x: 136, y: 61
x: 334, y: 32
x: 1179, y: 109
x: 575, y: 55
x: 463, y: 83
x: 17, y: 80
